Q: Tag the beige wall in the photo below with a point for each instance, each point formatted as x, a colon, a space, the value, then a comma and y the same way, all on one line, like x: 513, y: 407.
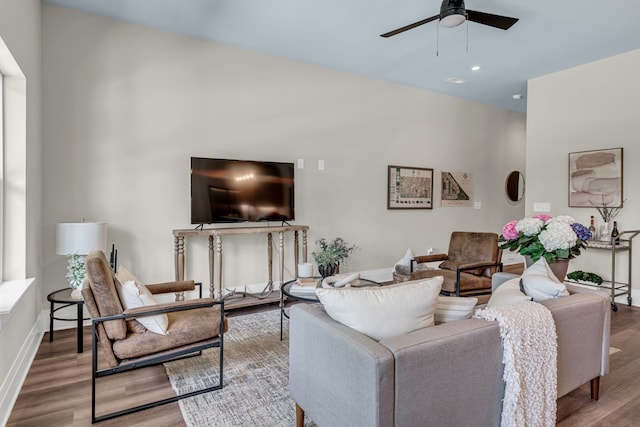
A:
x: 126, y: 106
x: 590, y: 107
x: 20, y: 32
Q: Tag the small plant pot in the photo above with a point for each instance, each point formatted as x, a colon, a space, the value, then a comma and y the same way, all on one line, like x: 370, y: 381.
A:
x: 327, y: 270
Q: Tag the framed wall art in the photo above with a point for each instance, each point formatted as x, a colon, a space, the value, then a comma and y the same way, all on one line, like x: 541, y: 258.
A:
x: 409, y: 188
x: 595, y: 178
x: 455, y: 189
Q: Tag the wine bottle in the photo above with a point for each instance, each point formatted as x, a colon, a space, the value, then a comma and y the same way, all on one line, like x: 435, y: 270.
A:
x: 592, y: 228
x: 615, y: 235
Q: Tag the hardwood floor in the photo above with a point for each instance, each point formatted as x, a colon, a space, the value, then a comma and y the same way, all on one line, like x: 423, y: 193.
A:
x: 57, y: 390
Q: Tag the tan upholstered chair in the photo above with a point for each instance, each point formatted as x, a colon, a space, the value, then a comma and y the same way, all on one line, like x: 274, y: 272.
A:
x: 193, y: 326
x: 468, y: 266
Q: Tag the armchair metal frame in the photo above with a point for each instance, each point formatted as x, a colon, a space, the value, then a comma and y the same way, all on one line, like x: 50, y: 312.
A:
x: 164, y: 357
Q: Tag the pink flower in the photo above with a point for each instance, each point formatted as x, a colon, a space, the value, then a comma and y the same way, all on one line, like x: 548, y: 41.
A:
x: 509, y: 230
x: 543, y: 217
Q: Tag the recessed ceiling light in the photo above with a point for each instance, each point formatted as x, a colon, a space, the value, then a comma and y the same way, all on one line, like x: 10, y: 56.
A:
x: 455, y: 80
x: 517, y: 96
x: 475, y: 68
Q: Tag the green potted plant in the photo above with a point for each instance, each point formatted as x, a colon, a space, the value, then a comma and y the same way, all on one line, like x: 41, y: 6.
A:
x: 331, y: 255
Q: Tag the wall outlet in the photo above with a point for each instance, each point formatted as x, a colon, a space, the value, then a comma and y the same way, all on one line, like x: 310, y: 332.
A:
x: 477, y: 205
x: 320, y: 165
x: 542, y: 207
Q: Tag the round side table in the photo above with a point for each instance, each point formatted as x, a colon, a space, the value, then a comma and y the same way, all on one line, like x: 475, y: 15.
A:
x: 63, y: 296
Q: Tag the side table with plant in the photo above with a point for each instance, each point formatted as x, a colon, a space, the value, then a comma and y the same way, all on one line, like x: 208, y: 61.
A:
x: 331, y: 255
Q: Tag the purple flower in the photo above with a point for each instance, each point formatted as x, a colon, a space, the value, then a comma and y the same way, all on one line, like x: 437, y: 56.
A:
x: 581, y: 231
x: 509, y: 230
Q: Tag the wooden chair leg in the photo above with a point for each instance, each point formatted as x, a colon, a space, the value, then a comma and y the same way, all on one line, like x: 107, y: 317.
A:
x: 299, y: 416
x: 595, y: 388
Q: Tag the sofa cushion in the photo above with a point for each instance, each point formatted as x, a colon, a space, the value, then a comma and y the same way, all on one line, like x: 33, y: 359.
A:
x: 185, y: 327
x: 540, y: 283
x: 136, y: 295
x: 508, y: 293
x: 385, y: 311
x: 449, y: 309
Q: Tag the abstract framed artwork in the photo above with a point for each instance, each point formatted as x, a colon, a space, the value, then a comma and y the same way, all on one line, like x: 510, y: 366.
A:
x: 595, y: 178
x: 409, y: 188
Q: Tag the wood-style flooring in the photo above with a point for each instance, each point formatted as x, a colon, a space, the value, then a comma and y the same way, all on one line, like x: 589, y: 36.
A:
x: 57, y: 390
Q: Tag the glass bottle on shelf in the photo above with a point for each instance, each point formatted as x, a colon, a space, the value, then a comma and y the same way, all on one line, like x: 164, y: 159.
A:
x: 615, y: 235
x: 592, y: 228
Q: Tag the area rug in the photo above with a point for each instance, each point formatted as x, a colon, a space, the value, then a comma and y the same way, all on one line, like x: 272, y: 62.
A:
x: 256, y: 377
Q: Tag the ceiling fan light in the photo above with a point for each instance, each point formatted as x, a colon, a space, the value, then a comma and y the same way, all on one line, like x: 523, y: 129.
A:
x: 452, y: 13
x: 452, y: 17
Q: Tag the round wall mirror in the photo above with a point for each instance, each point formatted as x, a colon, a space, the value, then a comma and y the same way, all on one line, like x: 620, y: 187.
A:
x: 514, y: 186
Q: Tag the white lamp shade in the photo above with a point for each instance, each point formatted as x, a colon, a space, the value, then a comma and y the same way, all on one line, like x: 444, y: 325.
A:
x: 80, y: 237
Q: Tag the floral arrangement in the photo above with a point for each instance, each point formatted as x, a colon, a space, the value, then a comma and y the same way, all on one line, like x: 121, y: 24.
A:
x: 542, y: 235
x: 332, y: 253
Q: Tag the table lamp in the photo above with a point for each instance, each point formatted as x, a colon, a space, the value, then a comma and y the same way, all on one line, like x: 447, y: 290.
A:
x: 76, y: 240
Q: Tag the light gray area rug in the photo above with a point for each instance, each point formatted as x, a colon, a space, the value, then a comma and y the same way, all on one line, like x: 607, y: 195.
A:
x: 256, y: 377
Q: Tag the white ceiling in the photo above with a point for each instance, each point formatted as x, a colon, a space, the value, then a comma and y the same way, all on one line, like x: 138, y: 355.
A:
x: 551, y: 35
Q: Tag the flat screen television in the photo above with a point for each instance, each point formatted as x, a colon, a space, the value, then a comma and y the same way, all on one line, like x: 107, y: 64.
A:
x: 224, y: 190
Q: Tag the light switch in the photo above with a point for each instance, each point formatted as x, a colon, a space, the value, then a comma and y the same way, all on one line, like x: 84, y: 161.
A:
x: 477, y: 205
x: 300, y: 163
x: 542, y: 207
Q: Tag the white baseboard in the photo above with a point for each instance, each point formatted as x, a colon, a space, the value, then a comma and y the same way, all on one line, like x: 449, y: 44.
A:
x: 10, y: 388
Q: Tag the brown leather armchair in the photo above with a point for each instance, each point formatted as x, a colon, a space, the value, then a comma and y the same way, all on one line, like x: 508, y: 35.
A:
x: 467, y: 268
x: 126, y: 344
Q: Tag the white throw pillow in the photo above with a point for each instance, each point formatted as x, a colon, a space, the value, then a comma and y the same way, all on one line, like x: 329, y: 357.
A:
x: 450, y: 309
x: 406, y: 259
x: 136, y: 295
x: 508, y: 293
x: 386, y: 311
x: 540, y: 283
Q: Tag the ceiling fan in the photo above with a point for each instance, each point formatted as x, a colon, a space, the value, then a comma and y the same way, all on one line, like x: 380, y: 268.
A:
x: 453, y: 13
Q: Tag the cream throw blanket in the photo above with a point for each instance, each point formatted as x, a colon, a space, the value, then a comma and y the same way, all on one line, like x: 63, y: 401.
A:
x: 530, y: 363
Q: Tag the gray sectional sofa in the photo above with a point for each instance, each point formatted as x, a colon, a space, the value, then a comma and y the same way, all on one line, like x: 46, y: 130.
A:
x: 445, y: 375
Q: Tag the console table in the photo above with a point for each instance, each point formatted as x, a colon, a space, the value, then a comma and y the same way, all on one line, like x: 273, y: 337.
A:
x: 215, y: 236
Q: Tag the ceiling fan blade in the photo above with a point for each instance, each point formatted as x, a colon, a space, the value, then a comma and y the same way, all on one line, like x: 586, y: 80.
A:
x: 409, y: 27
x: 497, y: 21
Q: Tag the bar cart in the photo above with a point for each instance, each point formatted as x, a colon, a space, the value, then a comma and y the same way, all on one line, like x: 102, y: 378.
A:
x: 618, y: 288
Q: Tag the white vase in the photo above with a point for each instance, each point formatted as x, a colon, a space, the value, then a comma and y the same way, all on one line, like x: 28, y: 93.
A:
x: 605, y: 232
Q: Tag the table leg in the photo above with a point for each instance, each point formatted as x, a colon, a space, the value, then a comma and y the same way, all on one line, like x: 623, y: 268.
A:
x: 178, y: 255
x: 270, y: 260
x: 51, y: 323
x: 296, y: 248
x: 212, y: 266
x: 281, y: 252
x: 79, y: 328
x: 281, y: 311
x: 304, y: 245
x: 218, y: 291
x: 179, y: 263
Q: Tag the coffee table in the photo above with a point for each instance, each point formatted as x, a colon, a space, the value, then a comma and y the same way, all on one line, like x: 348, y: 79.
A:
x: 285, y: 291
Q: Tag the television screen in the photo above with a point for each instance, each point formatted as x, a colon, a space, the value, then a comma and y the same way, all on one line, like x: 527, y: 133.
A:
x: 240, y: 191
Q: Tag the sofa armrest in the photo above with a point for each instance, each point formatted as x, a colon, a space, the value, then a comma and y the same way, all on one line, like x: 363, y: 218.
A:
x: 168, y: 287
x: 337, y: 375
x: 430, y: 258
x: 449, y: 374
x: 583, y: 326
